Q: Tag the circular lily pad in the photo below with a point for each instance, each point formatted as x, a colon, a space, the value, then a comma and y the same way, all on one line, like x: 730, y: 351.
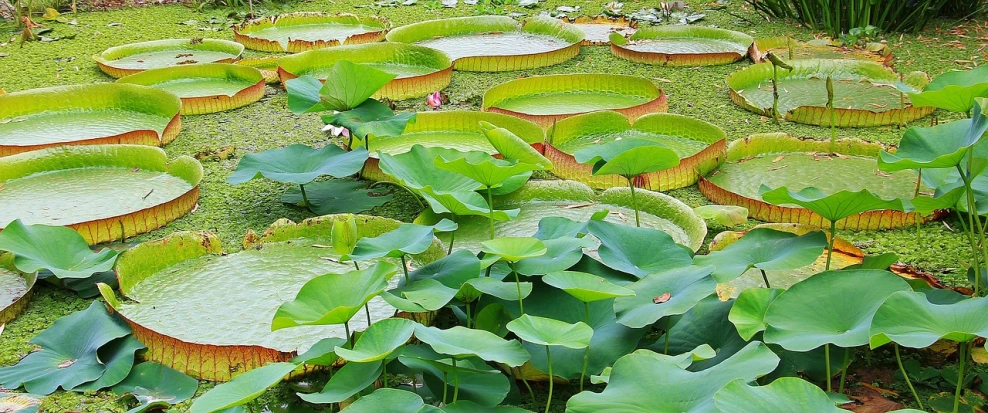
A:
x: 825, y: 48
x: 576, y: 201
x: 598, y: 29
x: 15, y: 289
x: 298, y: 32
x: 700, y: 145
x: 454, y: 129
x: 267, y: 65
x: 546, y: 100
x: 684, y: 46
x: 172, y: 303
x: 205, y: 88
x: 131, y: 58
x: 777, y: 160
x: 420, y: 70
x: 495, y: 43
x: 865, y: 93
x: 105, y: 192
x: 102, y: 113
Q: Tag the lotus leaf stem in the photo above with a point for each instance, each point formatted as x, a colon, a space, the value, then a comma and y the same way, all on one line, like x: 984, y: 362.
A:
x: 445, y: 387
x: 586, y: 353
x: 765, y: 277
x: 962, y: 360
x: 548, y: 356
x: 404, y: 267
x: 527, y: 386
x: 467, y: 306
x: 490, y: 205
x: 456, y: 382
x: 843, y: 373
x: 346, y: 327
x: 452, y: 236
x: 974, y: 248
x: 634, y: 202
x: 826, y: 356
x: 384, y: 376
x: 974, y: 226
x: 367, y: 311
x: 830, y: 248
x: 905, y: 375
x: 775, y: 93
x: 305, y: 199
x: 830, y: 107
x: 521, y: 304
x: 665, y: 349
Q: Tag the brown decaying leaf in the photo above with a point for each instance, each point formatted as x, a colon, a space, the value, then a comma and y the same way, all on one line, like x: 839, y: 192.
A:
x: 659, y: 299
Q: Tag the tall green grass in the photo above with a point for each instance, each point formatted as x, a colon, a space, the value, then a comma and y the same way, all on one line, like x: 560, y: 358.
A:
x: 840, y: 16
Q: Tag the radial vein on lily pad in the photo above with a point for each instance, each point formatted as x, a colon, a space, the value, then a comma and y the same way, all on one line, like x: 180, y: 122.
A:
x: 629, y: 158
x: 551, y: 332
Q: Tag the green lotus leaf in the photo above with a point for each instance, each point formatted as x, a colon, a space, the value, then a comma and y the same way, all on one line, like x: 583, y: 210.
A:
x: 500, y: 289
x: 155, y: 386
x: 20, y: 402
x: 335, y: 196
x: 787, y: 394
x: 298, y: 164
x: 420, y: 296
x: 118, y: 357
x: 345, y: 234
x: 833, y: 307
x: 586, y: 287
x: 452, y: 270
x: 69, y: 352
x: 347, y: 86
x: 478, y: 382
x: 351, y: 379
x: 724, y: 215
x: 679, y: 390
x: 242, y: 388
x: 765, y: 249
x: 58, y: 249
x: 638, y: 251
x: 699, y: 331
x: 514, y: 249
x: 954, y: 90
x: 127, y: 59
x: 462, y: 203
x: 406, y: 239
x: 416, y: 169
x: 391, y: 400
x: 662, y: 294
x: 461, y: 342
x: 553, y: 227
x: 941, y: 146
x: 484, y: 168
x: 322, y: 353
x: 550, y: 332
x: 379, y: 340
x: 466, y: 406
x: 371, y: 118
x: 909, y: 319
x: 561, y: 253
x: 748, y: 312
x: 512, y: 147
x: 835, y: 206
x: 599, y: 155
x: 333, y: 298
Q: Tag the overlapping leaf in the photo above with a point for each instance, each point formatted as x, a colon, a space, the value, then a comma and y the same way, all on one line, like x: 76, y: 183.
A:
x: 298, y: 164
x: 60, y: 250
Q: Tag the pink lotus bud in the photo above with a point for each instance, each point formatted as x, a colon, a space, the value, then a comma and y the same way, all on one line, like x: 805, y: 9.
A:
x: 434, y: 100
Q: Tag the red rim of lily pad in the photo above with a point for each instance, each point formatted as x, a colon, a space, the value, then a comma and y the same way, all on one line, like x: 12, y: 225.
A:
x: 733, y: 47
x: 219, y: 51
x: 245, y: 33
x: 267, y: 65
x: 647, y: 97
x: 241, y: 85
x: 690, y: 168
x: 783, y: 145
x: 598, y: 28
x: 820, y: 48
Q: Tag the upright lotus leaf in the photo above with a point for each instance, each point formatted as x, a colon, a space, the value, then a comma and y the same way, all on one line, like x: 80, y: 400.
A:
x: 706, y: 325
x: 351, y: 379
x: 242, y: 388
x: 954, y: 90
x: 663, y: 294
x: 60, y: 250
x: 347, y: 85
x: 462, y: 203
x: 836, y: 206
x: 420, y: 296
x: 833, y: 307
x: 638, y: 251
x: 679, y: 391
x: 371, y: 118
x: 391, y: 400
x: 118, y: 357
x: 513, y: 148
x: 748, y: 312
x: 784, y: 395
x: 627, y: 157
x: 461, y: 342
x: 909, y: 319
x: 484, y: 168
x: 298, y: 164
x: 550, y: 332
x: 416, y: 169
x: 333, y: 298
x: 68, y: 355
x: 452, y: 270
x: 765, y: 249
x: 322, y: 353
x: 514, y: 249
x: 560, y: 254
x: 586, y: 287
x: 406, y: 239
x: 941, y: 146
x: 156, y: 386
x: 500, y: 289
x: 379, y: 340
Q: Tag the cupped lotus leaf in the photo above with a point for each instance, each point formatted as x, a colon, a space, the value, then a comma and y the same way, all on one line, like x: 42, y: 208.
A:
x: 58, y: 249
x: 909, y: 319
x: 704, y: 327
x: 836, y: 206
x: 638, y: 251
x: 68, y: 355
x: 748, y: 312
x: 663, y: 294
x: 298, y: 164
x: 481, y: 167
x: 478, y: 382
x: 379, y: 340
x: 15, y: 289
x: 599, y: 28
x: 406, y: 239
x: 420, y: 296
x: 466, y: 406
x: 765, y: 249
x: 350, y: 379
x: 391, y: 400
x: 347, y: 86
x: 462, y: 203
x: 514, y: 249
x: 825, y: 48
x: 20, y: 402
x: 242, y: 389
x: 586, y: 287
x: 416, y: 169
x: 495, y: 43
x: 322, y: 353
x: 638, y: 160
x: 461, y: 342
x: 865, y: 93
x: 683, y: 46
x: 550, y: 332
x: 371, y: 118
x: 205, y: 88
x: 546, y: 100
x: 786, y: 394
x: 941, y: 146
x: 500, y: 289
x: 954, y: 90
x: 298, y: 32
x: 106, y: 113
x: 418, y: 70
x: 333, y: 298
x: 155, y: 386
x: 512, y: 147
x: 560, y: 254
x: 335, y: 196
x: 120, y: 61
x: 723, y: 215
x: 118, y: 357
x: 679, y: 390
x: 452, y: 270
x: 833, y: 307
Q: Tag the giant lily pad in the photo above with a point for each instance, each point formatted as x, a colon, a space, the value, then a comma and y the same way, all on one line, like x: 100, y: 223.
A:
x: 131, y: 58
x: 576, y: 201
x: 546, y: 100
x: 419, y: 70
x: 865, y: 93
x: 495, y: 43
x: 87, y: 115
x: 456, y: 129
x: 174, y: 308
x: 105, y: 192
x: 15, y: 289
x: 682, y: 46
x: 780, y: 160
x: 700, y: 146
x: 598, y: 29
x: 819, y: 49
x: 205, y: 88
x: 298, y: 32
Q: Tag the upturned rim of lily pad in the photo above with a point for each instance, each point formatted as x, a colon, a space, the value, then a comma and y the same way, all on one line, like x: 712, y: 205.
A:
x: 242, y: 32
x: 106, y: 59
x: 206, y: 103
x: 742, y: 43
